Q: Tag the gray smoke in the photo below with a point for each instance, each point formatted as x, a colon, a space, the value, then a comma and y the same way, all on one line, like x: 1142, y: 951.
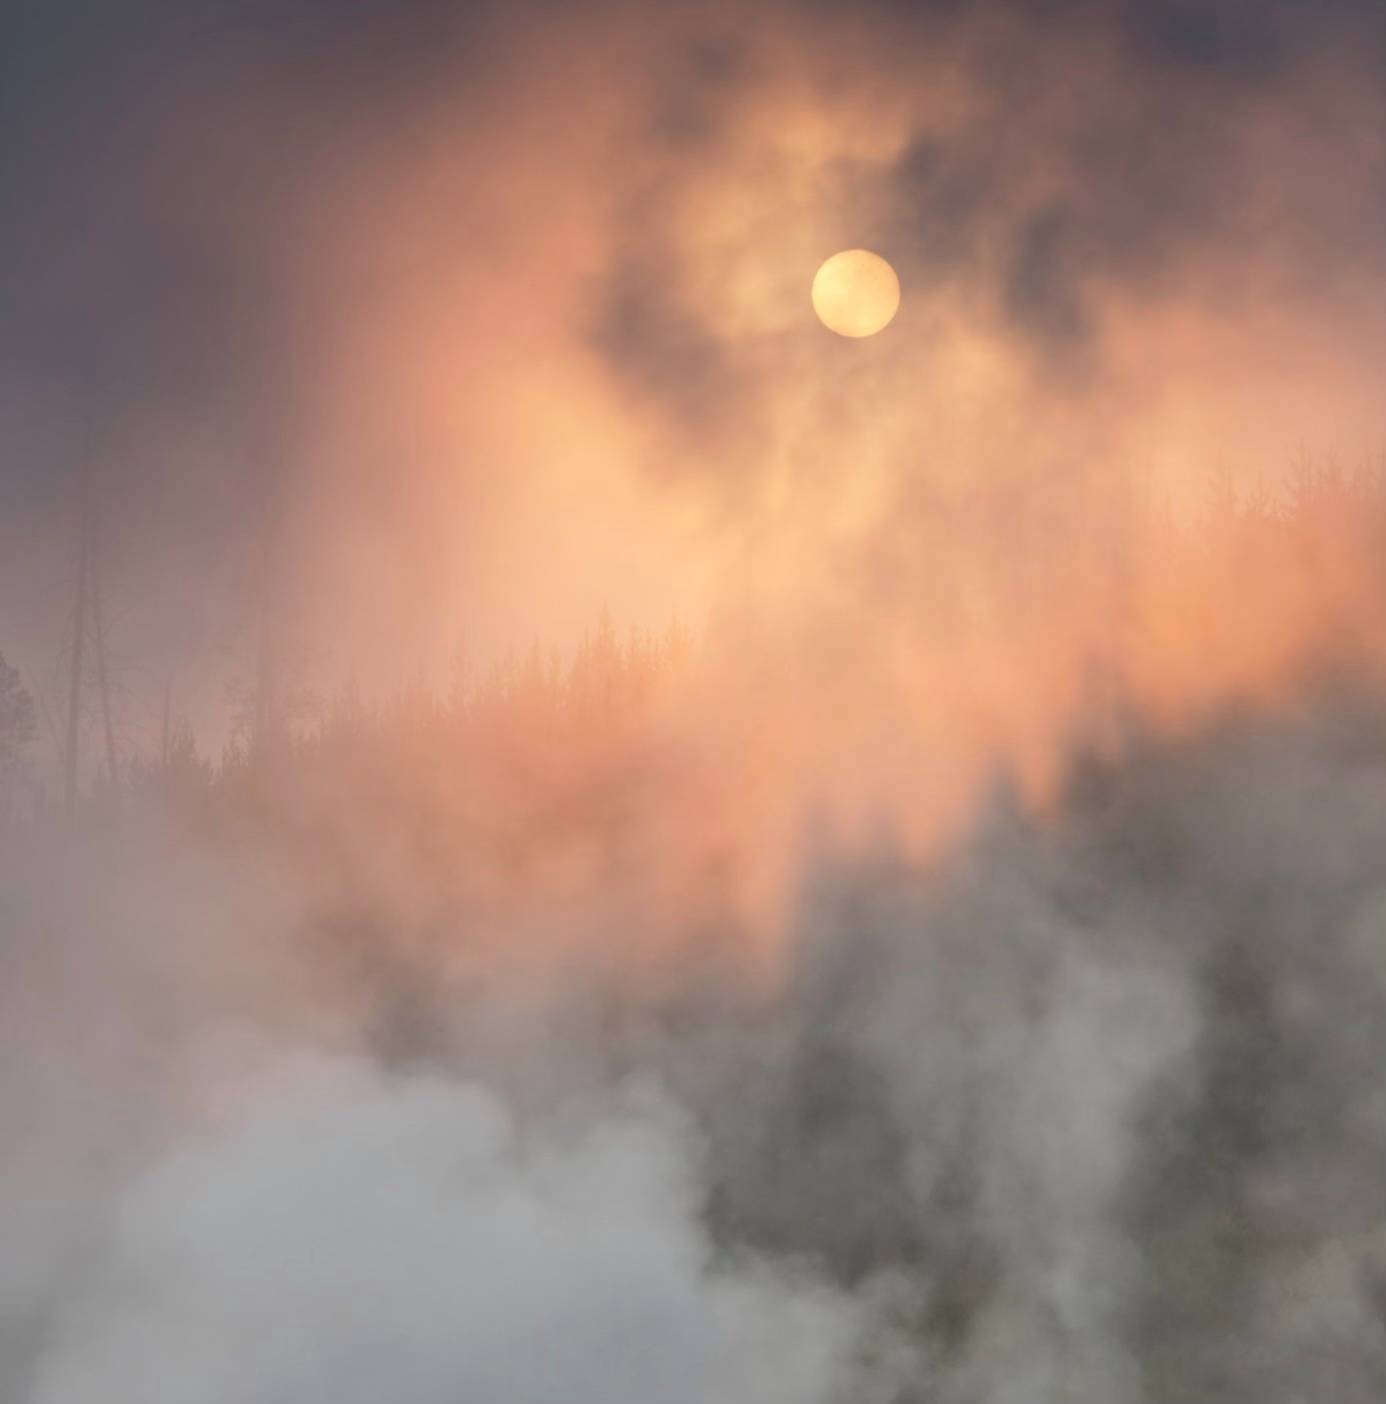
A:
x: 1093, y: 1112
x: 1087, y: 1110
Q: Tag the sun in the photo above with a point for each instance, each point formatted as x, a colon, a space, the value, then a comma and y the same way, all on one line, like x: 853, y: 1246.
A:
x: 856, y: 293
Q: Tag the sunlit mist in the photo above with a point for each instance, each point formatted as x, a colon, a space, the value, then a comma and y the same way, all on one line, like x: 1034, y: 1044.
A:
x: 692, y: 702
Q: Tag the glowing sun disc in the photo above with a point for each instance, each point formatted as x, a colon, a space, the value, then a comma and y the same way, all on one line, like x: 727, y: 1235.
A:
x: 856, y: 293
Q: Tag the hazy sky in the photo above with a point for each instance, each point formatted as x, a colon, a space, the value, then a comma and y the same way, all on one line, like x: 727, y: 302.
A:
x: 488, y: 315
x: 886, y: 1007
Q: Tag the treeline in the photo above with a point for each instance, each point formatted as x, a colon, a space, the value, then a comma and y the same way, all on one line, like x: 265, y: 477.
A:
x: 486, y: 733
x: 523, y: 731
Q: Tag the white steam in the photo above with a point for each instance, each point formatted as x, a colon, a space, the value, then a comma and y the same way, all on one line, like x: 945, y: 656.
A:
x: 360, y: 1239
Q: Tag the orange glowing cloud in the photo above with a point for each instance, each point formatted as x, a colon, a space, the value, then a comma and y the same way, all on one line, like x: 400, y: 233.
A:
x: 567, y: 359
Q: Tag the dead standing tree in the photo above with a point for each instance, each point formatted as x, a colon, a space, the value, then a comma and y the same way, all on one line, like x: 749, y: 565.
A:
x: 87, y: 604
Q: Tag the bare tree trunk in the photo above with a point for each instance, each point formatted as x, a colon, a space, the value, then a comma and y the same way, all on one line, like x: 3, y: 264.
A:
x: 103, y: 681
x: 266, y: 734
x: 79, y: 621
x: 164, y: 738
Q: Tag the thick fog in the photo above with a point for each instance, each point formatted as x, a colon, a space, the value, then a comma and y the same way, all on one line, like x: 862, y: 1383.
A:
x: 1088, y: 1110
x: 567, y: 835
